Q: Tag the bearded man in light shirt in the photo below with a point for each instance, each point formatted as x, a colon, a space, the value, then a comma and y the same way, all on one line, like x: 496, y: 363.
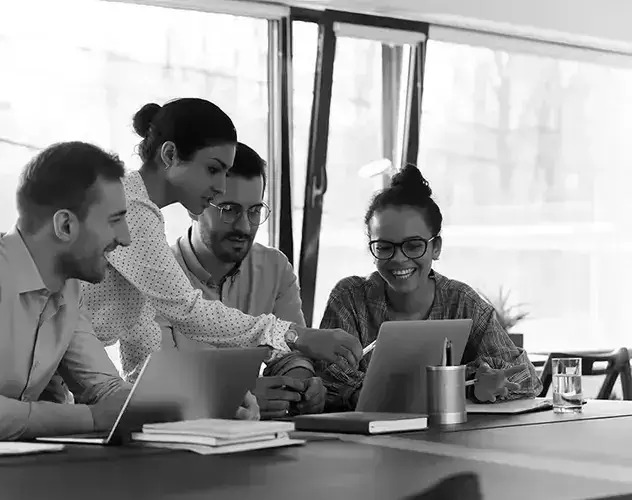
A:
x: 71, y: 207
x: 71, y: 214
x: 219, y: 256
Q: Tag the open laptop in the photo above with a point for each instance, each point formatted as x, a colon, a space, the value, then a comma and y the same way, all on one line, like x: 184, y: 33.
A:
x: 395, y: 380
x: 178, y: 385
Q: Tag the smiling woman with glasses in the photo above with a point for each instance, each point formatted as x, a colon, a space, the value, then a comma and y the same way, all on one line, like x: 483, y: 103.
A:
x: 413, y: 248
x: 403, y: 224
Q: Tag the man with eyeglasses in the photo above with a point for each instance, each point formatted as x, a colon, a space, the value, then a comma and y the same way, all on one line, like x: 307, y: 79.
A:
x: 220, y: 257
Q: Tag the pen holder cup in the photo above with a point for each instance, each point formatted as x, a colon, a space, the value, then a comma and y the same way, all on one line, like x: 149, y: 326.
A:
x: 446, y: 395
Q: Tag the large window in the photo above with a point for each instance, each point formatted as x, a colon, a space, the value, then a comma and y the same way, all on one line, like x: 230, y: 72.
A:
x: 529, y: 158
x: 79, y: 69
x: 363, y: 101
x: 355, y: 139
x: 304, y: 50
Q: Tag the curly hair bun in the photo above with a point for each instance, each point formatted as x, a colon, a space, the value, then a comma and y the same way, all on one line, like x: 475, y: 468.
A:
x: 143, y: 118
x: 409, y: 179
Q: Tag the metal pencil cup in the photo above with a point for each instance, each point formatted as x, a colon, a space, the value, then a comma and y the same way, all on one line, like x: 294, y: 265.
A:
x: 446, y: 395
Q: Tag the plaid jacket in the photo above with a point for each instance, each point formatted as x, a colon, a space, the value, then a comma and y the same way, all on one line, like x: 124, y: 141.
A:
x: 358, y: 305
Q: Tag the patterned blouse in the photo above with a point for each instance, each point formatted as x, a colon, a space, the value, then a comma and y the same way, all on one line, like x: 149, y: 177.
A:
x: 359, y: 306
x: 145, y: 279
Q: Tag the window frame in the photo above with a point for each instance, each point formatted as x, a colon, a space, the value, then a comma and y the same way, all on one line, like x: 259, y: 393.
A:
x: 330, y: 21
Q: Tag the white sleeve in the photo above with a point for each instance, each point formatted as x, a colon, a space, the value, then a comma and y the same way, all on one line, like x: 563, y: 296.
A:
x: 150, y: 266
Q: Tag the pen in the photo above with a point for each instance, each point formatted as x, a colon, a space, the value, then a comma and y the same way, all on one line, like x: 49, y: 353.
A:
x: 470, y: 382
x: 448, y: 353
x: 369, y: 348
x: 444, y: 358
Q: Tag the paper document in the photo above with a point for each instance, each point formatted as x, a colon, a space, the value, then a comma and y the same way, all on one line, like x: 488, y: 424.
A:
x: 514, y: 407
x: 229, y: 448
x: 22, y: 448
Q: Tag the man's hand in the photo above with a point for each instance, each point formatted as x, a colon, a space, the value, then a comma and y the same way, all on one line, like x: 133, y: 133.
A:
x: 313, y: 398
x: 106, y: 411
x: 329, y: 345
x: 492, y: 383
x: 249, y: 410
x: 275, y: 394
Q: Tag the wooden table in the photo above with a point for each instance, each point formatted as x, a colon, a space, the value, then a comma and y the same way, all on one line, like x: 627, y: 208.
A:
x: 322, y: 469
x: 603, y: 442
x: 592, y: 410
x: 528, y: 456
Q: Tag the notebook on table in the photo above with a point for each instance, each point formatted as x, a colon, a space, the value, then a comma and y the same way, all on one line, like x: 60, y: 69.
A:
x: 358, y: 422
x: 210, y: 436
x: 514, y: 407
x: 230, y: 448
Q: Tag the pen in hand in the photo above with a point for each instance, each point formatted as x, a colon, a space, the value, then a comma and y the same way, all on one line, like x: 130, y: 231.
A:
x: 369, y: 348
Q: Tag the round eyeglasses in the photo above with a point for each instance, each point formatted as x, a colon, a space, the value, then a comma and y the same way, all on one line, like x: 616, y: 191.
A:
x: 413, y: 248
x: 229, y: 213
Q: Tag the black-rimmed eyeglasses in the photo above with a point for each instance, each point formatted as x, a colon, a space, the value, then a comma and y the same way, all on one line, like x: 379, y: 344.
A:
x: 413, y: 248
x: 229, y: 213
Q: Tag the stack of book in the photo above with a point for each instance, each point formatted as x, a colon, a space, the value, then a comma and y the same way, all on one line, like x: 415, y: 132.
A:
x: 216, y: 436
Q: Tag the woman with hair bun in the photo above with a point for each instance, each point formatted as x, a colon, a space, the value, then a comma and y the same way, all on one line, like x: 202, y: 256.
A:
x: 187, y: 147
x: 403, y: 224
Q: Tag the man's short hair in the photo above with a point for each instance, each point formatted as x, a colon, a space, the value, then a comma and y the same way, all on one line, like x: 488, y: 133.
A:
x: 248, y: 164
x: 62, y: 177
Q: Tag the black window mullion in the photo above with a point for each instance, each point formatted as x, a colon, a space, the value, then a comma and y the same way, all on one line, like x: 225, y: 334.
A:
x: 316, y: 176
x: 286, y: 236
x: 413, y: 120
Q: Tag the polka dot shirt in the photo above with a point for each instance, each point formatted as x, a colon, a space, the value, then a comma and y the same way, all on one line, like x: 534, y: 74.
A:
x: 145, y: 279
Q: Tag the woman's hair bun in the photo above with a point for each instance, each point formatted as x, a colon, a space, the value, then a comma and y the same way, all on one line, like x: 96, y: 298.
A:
x: 143, y: 118
x: 410, y: 179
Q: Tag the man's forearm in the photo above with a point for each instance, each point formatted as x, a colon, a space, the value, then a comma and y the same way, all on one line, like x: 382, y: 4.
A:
x: 22, y: 420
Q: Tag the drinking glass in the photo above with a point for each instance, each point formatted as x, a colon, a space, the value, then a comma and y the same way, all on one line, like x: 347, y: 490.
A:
x: 567, y: 385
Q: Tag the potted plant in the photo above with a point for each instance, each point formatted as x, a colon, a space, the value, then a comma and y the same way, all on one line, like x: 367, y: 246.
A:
x: 508, y: 315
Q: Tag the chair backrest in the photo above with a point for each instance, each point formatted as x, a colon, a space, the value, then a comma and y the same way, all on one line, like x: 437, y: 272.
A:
x: 618, y: 364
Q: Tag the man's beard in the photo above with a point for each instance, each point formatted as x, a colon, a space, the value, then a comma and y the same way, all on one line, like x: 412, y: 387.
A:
x: 216, y: 244
x: 81, y: 268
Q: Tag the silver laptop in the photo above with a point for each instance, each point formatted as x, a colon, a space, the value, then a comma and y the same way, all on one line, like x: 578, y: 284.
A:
x: 395, y: 380
x: 178, y: 385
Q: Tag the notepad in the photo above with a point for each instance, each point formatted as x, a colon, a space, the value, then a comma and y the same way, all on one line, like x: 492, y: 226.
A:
x: 358, y: 422
x: 220, y: 428
x: 515, y: 407
x: 21, y: 448
x: 211, y: 436
x: 231, y: 448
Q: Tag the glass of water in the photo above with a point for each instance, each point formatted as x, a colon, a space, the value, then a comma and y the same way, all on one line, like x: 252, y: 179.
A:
x: 567, y: 385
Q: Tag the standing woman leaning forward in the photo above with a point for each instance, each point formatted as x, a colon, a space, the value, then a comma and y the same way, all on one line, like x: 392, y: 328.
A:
x: 187, y: 147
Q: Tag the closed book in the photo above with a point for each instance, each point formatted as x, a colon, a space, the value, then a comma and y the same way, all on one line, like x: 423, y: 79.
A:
x: 202, y: 440
x: 359, y: 422
x: 222, y: 429
x: 209, y: 436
